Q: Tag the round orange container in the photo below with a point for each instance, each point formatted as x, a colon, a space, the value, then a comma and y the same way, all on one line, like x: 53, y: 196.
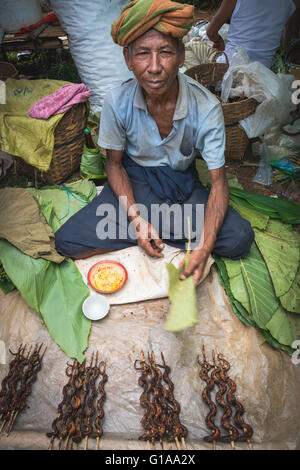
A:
x: 107, y: 276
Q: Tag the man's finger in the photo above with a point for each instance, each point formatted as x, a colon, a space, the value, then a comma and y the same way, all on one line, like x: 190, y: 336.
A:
x: 158, y: 244
x: 188, y: 270
x: 150, y: 250
x: 197, y: 275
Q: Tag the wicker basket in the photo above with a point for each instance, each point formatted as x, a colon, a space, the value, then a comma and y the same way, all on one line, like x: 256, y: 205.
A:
x: 7, y: 70
x: 236, y: 139
x: 236, y: 142
x: 68, y: 148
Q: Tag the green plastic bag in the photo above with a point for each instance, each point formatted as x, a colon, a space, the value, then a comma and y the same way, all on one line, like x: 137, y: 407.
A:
x: 92, y: 164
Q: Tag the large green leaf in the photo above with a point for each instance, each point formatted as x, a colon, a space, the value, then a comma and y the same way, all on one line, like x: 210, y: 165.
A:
x: 55, y: 292
x: 280, y: 248
x: 237, y: 283
x: 291, y: 300
x: 259, y: 285
x: 287, y: 211
x: 256, y: 219
x: 237, y: 308
x: 284, y: 326
x: 182, y: 294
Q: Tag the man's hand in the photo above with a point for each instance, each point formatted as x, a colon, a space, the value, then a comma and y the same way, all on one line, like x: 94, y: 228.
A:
x: 196, y: 265
x: 148, y: 238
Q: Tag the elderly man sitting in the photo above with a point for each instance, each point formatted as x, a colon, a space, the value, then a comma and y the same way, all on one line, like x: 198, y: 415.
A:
x: 151, y: 127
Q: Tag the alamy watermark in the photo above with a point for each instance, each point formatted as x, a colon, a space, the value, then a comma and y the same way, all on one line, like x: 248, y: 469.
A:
x: 296, y: 354
x: 296, y: 94
x: 174, y: 221
x: 2, y: 92
x: 2, y: 352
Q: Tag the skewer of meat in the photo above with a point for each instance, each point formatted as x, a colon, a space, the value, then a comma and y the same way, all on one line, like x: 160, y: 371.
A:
x: 12, y: 383
x: 79, y: 405
x: 69, y: 390
x: 91, y: 408
x: 14, y: 400
x: 11, y: 372
x: 205, y: 367
x: 89, y: 411
x: 157, y: 399
x: 225, y: 419
x: 151, y: 431
x: 100, y: 402
x: 179, y: 430
x: 232, y: 400
x: 34, y: 365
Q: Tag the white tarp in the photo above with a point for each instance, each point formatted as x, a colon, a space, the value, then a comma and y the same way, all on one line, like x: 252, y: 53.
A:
x: 268, y: 383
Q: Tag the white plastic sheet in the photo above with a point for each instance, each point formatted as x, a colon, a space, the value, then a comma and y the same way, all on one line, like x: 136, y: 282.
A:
x: 268, y: 383
x: 98, y: 59
x: 272, y: 91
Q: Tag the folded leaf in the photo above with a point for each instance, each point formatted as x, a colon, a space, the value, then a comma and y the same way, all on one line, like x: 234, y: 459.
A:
x: 182, y: 294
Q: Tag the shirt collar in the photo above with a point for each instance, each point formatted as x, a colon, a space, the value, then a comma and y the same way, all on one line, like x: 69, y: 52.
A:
x: 181, y: 105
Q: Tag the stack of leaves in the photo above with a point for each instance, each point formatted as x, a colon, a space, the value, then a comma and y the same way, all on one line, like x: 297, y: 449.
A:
x: 264, y: 287
x: 55, y: 291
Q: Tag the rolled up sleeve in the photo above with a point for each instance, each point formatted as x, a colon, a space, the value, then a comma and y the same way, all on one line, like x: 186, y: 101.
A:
x: 211, y: 139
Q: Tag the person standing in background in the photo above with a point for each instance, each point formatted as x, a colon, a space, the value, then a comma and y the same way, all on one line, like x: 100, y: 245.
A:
x: 254, y: 24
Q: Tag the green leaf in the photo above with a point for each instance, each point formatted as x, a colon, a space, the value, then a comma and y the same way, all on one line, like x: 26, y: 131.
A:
x: 291, y: 300
x: 182, y: 294
x: 256, y: 219
x: 55, y: 292
x: 284, y: 326
x: 63, y: 204
x: 280, y: 248
x: 260, y: 289
x: 237, y: 283
x: 287, y: 211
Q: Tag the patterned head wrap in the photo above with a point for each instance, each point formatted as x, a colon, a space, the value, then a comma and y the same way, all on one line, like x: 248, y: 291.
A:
x: 167, y: 17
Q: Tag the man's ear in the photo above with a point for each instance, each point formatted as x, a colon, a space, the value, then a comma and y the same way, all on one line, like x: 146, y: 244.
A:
x: 181, y: 57
x: 127, y: 57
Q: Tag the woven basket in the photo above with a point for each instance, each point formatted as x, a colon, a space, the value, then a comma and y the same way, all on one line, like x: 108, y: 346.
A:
x: 7, y: 70
x: 236, y: 142
x: 68, y: 148
x: 209, y: 75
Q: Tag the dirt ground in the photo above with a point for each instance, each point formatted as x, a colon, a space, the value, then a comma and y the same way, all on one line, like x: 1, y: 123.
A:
x: 246, y: 170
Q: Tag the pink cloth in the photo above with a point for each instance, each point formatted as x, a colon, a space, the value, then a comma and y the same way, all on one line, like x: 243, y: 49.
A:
x: 60, y: 101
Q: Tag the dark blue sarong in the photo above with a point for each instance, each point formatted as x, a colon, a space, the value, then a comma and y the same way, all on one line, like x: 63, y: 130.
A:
x: 152, y: 186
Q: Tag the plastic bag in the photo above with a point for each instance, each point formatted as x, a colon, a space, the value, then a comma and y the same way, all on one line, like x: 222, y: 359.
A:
x: 265, y: 172
x: 92, y: 164
x: 272, y: 91
x: 99, y: 60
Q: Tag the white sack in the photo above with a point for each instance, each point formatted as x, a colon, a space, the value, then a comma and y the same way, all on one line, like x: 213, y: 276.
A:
x: 98, y: 59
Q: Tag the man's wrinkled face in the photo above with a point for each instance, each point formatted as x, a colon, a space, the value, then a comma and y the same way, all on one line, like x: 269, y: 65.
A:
x: 154, y: 58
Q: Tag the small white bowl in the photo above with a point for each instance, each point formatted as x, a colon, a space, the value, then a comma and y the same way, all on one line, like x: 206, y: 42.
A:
x: 95, y: 307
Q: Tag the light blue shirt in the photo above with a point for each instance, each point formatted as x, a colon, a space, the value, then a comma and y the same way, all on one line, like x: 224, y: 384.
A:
x: 198, y: 123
